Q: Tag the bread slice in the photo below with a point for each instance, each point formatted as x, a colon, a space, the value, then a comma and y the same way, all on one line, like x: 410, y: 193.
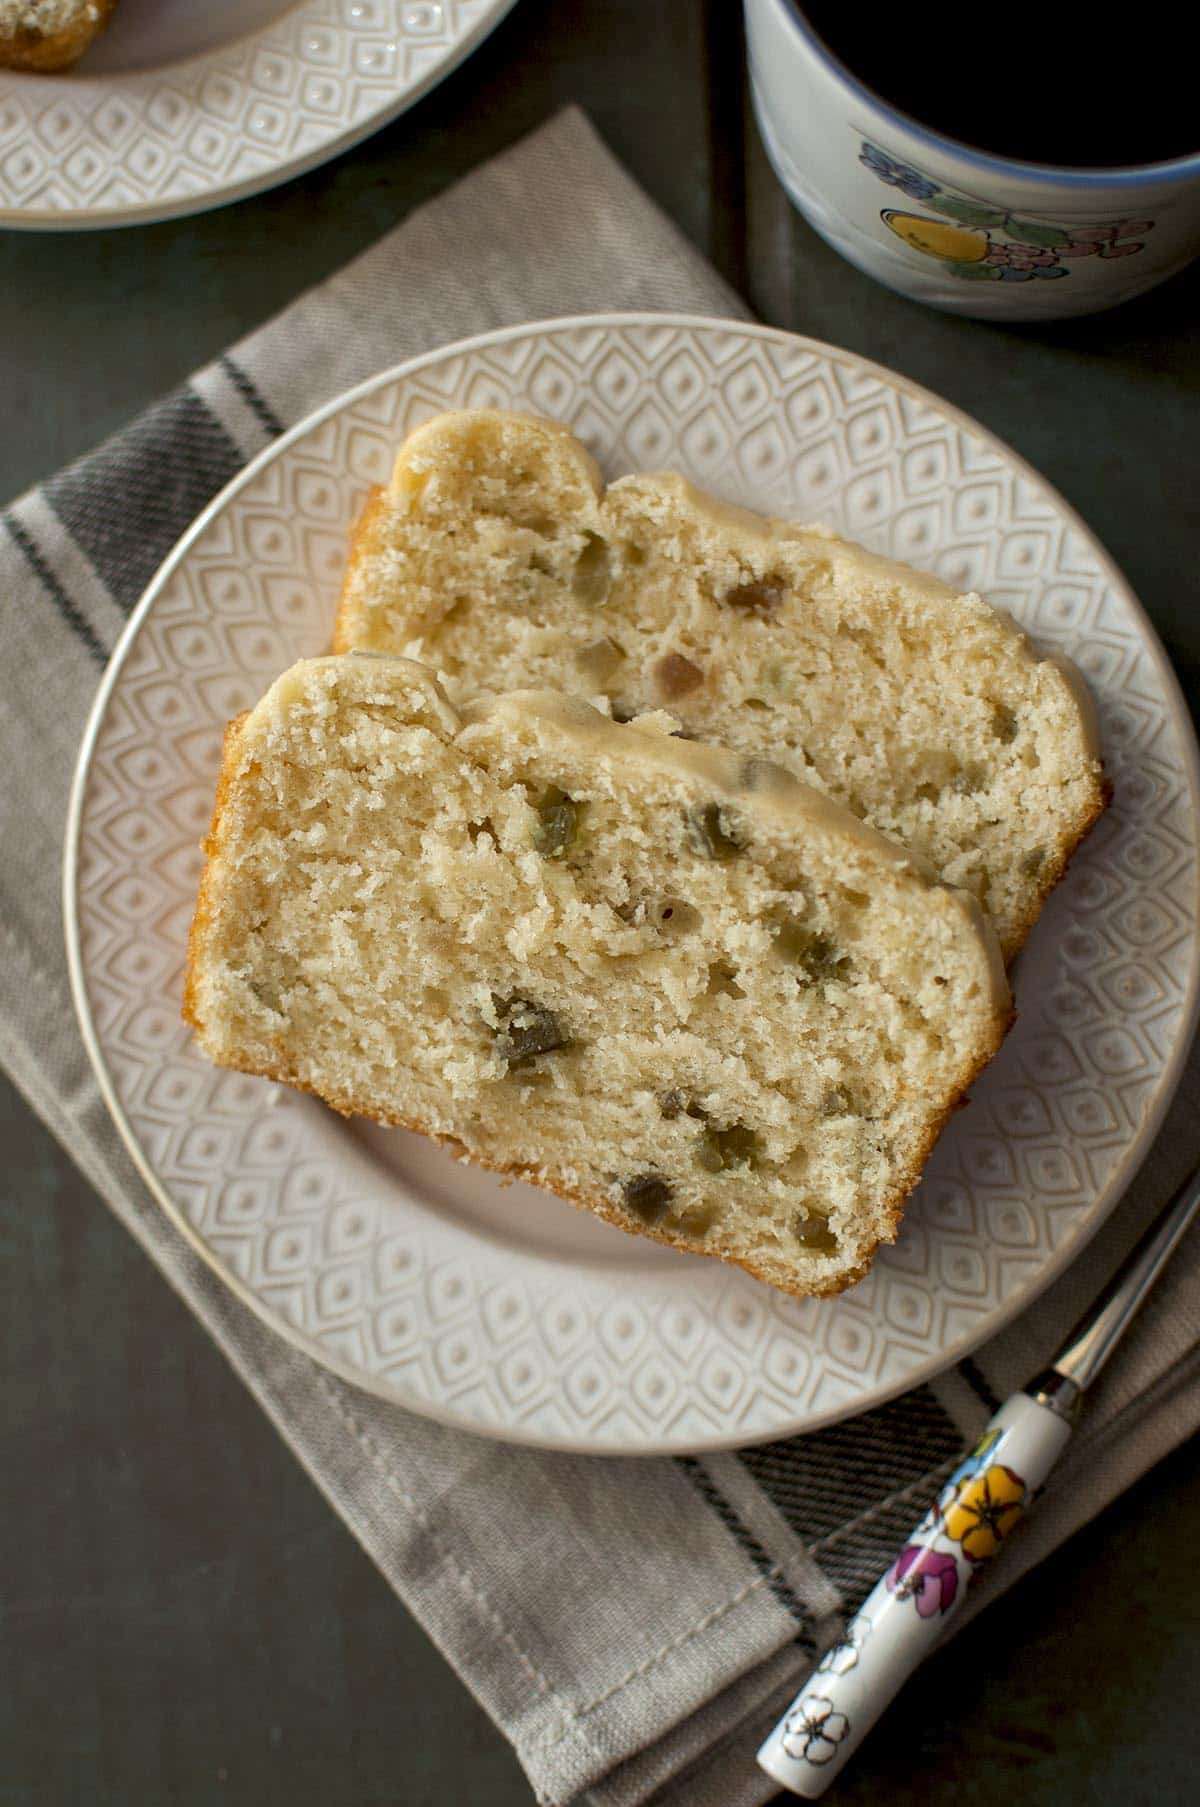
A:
x: 495, y: 556
x: 43, y: 36
x: 673, y: 985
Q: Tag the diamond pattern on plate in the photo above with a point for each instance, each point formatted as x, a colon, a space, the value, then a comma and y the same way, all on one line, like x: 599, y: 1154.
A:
x: 162, y: 141
x: 390, y: 1284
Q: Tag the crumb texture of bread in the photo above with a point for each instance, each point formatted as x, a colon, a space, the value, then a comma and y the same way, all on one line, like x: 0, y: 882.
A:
x: 496, y: 557
x: 673, y: 984
x: 43, y: 36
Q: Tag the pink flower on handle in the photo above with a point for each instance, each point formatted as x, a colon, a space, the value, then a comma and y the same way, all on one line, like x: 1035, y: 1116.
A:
x: 926, y: 1577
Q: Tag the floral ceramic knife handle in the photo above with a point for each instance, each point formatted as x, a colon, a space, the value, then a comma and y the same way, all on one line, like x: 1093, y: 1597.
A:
x: 981, y: 1503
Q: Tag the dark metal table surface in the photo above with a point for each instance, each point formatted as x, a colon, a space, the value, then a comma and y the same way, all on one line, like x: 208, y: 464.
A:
x: 145, y: 1655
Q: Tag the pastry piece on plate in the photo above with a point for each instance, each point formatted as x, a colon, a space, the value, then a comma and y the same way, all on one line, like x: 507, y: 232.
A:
x: 49, y: 35
x: 496, y: 555
x: 670, y: 983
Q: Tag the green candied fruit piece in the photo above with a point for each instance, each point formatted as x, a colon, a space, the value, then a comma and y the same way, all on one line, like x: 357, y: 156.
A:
x: 736, y: 1146
x: 1033, y: 861
x: 696, y: 1220
x: 710, y: 835
x: 813, y: 1233
x: 557, y: 823
x: 592, y: 577
x: 1004, y: 723
x: 646, y: 1195
x: 816, y: 954
x: 527, y: 1030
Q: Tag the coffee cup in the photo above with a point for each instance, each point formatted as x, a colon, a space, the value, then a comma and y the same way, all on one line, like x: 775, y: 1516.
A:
x: 962, y: 229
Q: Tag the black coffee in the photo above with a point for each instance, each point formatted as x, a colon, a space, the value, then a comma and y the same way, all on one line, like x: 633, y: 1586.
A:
x: 1044, y: 83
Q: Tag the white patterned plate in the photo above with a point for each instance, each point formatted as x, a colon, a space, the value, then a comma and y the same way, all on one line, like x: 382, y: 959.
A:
x: 179, y: 106
x: 504, y: 1309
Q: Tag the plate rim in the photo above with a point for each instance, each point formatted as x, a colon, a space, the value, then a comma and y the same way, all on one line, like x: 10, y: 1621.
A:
x: 152, y: 213
x: 1132, y: 1156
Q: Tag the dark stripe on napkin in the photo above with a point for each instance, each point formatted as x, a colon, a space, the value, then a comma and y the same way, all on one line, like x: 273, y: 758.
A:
x: 830, y: 1477
x: 127, y: 503
x: 711, y: 1494
x: 977, y: 1381
x: 62, y: 602
x: 252, y: 396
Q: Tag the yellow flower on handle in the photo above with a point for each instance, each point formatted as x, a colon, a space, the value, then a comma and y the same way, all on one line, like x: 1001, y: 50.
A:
x: 985, y: 1510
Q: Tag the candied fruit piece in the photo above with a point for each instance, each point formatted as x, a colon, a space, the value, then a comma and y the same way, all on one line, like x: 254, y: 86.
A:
x: 1004, y: 723
x: 812, y: 1232
x: 647, y: 1195
x: 736, y: 1146
x: 557, y: 823
x: 816, y: 954
x: 710, y: 834
x: 527, y: 1030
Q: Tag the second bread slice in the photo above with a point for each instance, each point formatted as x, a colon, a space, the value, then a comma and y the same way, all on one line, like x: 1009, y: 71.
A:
x: 496, y: 556
x: 675, y: 986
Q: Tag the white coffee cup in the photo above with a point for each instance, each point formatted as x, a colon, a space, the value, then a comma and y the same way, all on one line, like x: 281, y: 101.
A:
x: 956, y: 227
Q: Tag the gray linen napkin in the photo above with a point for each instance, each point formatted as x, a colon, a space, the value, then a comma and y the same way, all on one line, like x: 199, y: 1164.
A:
x: 631, y: 1625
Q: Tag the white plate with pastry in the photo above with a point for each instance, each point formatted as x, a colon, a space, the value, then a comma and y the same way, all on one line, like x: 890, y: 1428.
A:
x: 501, y: 1308
x: 122, y: 112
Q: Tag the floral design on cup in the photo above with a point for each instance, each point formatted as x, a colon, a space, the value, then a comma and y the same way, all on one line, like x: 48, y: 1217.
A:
x: 812, y: 1730
x: 984, y: 1511
x: 981, y: 243
x: 929, y: 1578
x: 1021, y: 263
x: 898, y: 175
x: 1121, y: 239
